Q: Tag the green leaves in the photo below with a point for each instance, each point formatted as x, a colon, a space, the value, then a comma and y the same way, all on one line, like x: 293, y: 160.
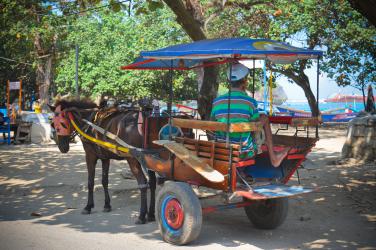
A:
x: 110, y: 40
x: 115, y: 6
x: 145, y: 7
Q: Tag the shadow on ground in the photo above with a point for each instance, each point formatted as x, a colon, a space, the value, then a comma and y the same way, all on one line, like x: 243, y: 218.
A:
x: 39, y: 184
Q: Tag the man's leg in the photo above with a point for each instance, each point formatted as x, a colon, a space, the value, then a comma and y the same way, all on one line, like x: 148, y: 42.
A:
x: 275, y: 158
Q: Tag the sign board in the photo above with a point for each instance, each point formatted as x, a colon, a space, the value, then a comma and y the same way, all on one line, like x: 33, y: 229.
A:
x: 14, y: 85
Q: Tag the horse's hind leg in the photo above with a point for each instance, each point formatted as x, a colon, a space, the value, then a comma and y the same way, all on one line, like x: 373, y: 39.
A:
x: 152, y: 185
x: 142, y: 185
x: 91, y: 161
x: 105, y: 169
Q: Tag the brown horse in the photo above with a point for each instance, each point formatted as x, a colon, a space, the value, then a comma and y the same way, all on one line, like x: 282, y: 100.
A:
x: 124, y: 124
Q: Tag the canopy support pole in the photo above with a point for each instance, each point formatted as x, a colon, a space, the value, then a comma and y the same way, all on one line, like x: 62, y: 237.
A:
x: 169, y: 110
x: 317, y: 93
x: 169, y: 104
x: 253, y: 79
x: 271, y: 92
x: 265, y: 89
x: 228, y: 108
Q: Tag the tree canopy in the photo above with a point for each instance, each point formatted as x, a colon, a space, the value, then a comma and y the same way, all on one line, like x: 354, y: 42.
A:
x: 108, y: 40
x: 39, y: 38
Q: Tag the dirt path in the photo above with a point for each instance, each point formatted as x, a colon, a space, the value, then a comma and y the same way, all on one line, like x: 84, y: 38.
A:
x: 42, y: 193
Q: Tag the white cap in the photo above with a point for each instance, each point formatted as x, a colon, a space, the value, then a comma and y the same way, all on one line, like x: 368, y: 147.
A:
x: 238, y: 72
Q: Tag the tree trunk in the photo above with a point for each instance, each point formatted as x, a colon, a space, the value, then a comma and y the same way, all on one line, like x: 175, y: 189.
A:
x: 44, y: 68
x: 365, y: 7
x: 208, y: 92
x: 301, y: 79
x: 188, y: 18
x: 310, y: 97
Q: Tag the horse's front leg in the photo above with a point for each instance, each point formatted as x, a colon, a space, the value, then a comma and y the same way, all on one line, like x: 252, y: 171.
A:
x: 142, y: 185
x: 91, y: 162
x: 152, y: 185
x: 105, y: 169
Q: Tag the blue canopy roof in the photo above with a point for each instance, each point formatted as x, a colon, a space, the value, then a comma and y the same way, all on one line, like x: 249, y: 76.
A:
x: 216, y: 51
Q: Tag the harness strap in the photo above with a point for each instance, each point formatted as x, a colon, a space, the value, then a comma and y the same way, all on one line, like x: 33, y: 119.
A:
x: 104, y: 144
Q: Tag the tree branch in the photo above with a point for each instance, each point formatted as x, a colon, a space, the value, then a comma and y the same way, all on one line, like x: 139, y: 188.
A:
x: 191, y: 26
x: 248, y: 6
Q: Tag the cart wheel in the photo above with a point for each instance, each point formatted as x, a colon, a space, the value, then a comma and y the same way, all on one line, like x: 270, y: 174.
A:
x: 267, y: 214
x: 179, y: 213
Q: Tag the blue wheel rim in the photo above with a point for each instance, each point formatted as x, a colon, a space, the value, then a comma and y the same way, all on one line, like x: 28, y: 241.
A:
x: 163, y: 216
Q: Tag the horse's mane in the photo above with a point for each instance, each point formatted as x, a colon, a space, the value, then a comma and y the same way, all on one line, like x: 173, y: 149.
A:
x: 80, y: 104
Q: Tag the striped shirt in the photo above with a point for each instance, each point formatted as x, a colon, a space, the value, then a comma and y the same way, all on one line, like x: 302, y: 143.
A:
x: 242, y: 109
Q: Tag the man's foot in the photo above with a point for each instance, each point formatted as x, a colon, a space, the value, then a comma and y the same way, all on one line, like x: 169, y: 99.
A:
x: 278, y: 157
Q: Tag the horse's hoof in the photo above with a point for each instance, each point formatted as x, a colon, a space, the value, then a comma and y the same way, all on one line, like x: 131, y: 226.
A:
x: 150, y: 218
x: 86, y: 211
x: 106, y: 209
x: 140, y: 221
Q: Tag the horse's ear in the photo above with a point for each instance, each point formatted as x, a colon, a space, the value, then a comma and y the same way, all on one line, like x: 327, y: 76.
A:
x: 52, y: 108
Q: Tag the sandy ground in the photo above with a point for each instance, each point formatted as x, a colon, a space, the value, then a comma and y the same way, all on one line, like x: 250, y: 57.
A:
x: 43, y: 191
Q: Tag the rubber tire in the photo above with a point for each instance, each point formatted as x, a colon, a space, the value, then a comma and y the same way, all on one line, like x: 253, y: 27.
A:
x: 191, y: 227
x: 267, y: 214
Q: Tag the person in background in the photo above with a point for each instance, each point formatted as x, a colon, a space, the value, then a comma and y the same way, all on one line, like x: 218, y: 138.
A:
x: 370, y: 106
x: 156, y: 110
x: 37, y: 107
x: 243, y: 108
x: 2, y: 123
x: 2, y: 120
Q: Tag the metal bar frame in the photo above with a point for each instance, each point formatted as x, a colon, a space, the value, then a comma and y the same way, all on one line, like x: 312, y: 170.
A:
x: 215, y: 208
x: 169, y: 111
x: 228, y: 108
x: 253, y: 78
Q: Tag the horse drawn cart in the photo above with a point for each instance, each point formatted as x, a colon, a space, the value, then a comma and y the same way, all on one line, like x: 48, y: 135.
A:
x: 175, y: 153
x: 190, y: 161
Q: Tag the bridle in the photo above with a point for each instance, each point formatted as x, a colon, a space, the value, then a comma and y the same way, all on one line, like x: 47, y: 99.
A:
x: 62, y: 120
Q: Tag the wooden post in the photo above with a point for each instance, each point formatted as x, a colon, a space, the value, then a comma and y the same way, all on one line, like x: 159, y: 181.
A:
x: 8, y: 97
x: 20, y: 99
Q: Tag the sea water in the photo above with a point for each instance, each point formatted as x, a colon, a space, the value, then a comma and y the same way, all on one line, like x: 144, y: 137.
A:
x: 357, y: 106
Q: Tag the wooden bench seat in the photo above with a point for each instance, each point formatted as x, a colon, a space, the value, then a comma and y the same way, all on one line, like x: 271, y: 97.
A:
x: 217, y: 126
x: 215, y: 151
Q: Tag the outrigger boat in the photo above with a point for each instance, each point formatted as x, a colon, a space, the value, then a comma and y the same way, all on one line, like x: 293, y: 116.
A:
x: 334, y: 115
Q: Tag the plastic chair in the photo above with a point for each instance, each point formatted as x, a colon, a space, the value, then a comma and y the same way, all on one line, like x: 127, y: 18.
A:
x: 5, y: 129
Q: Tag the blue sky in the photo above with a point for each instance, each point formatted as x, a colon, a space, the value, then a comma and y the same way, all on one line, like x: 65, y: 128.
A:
x: 327, y: 85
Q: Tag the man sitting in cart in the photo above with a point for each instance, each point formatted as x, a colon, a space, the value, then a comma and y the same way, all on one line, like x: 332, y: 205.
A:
x: 243, y: 108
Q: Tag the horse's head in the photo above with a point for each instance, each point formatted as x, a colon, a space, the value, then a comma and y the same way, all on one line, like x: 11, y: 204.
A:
x: 61, y: 120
